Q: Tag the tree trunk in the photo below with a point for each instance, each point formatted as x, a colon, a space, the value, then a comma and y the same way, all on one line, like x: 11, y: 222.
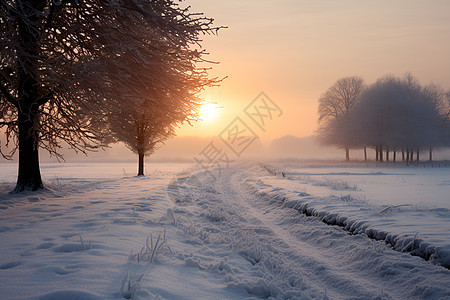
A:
x: 407, y: 155
x: 417, y: 155
x: 141, y: 164
x: 347, y: 154
x: 29, y: 175
x: 381, y: 153
x: 365, y: 153
x: 431, y: 154
x: 403, y: 155
x: 395, y: 155
x: 28, y: 98
x: 387, y: 154
x: 376, y: 153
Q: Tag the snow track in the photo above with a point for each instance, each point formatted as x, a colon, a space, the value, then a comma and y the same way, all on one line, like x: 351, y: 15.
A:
x: 291, y: 255
x: 399, y: 242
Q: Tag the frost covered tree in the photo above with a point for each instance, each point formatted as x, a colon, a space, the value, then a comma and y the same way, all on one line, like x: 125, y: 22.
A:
x: 441, y: 101
x: 398, y: 114
x: 172, y: 84
x: 141, y: 127
x: 335, y: 107
x: 59, y: 68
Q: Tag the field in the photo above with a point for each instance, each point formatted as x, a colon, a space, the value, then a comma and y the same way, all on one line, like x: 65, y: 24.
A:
x: 258, y: 230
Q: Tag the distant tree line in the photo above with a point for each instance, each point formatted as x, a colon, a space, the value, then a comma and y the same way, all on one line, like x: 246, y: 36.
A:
x: 393, y: 115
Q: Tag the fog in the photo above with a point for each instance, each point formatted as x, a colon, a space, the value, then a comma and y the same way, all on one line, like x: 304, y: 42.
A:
x: 186, y: 149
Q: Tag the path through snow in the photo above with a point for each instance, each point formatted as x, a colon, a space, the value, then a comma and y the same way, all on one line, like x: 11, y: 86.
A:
x: 292, y: 255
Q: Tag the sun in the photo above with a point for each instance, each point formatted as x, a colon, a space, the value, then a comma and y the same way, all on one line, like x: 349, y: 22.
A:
x: 209, y: 111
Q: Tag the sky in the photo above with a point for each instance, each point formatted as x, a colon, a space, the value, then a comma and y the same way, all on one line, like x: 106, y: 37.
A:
x: 294, y: 50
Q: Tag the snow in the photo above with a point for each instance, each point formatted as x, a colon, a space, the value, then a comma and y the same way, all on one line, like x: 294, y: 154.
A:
x: 401, y: 205
x: 99, y: 232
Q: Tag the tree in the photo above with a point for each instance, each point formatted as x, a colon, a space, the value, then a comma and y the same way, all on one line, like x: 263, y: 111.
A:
x: 335, y: 107
x: 141, y: 130
x: 441, y: 101
x: 172, y: 82
x: 142, y: 127
x: 59, y: 74
x: 154, y: 117
x: 398, y: 113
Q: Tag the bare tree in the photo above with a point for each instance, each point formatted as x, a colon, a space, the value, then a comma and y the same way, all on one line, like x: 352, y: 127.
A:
x: 170, y: 99
x: 398, y: 114
x: 172, y: 82
x: 59, y: 70
x: 335, y: 106
x: 441, y: 101
x: 142, y: 127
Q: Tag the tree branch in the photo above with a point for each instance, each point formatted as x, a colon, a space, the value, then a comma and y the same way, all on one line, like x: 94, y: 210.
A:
x: 8, y: 96
x: 45, y: 99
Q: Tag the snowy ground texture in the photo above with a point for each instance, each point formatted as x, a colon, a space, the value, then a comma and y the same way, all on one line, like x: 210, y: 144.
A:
x: 280, y: 231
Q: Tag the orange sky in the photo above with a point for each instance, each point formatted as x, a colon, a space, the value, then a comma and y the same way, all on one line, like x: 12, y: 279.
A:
x: 293, y: 50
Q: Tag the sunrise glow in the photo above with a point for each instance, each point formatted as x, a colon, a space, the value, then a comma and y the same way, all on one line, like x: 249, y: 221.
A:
x: 209, y: 111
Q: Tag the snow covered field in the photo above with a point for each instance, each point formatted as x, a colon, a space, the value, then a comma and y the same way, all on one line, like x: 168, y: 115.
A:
x: 408, y: 207
x: 99, y: 232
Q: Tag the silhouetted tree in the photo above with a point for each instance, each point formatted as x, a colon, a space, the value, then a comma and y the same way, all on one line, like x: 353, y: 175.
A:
x: 335, y: 107
x: 172, y: 84
x: 58, y: 74
x: 398, y: 113
x: 141, y: 127
x: 441, y: 100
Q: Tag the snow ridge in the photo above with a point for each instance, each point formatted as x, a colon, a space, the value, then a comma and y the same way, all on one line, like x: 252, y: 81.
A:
x: 302, y: 203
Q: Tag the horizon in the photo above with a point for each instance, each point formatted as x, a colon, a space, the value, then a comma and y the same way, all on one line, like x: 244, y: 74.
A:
x: 186, y: 148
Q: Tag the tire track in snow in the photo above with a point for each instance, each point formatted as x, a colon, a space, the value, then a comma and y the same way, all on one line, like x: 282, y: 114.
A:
x: 400, y: 242
x: 318, y: 268
x: 292, y: 255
